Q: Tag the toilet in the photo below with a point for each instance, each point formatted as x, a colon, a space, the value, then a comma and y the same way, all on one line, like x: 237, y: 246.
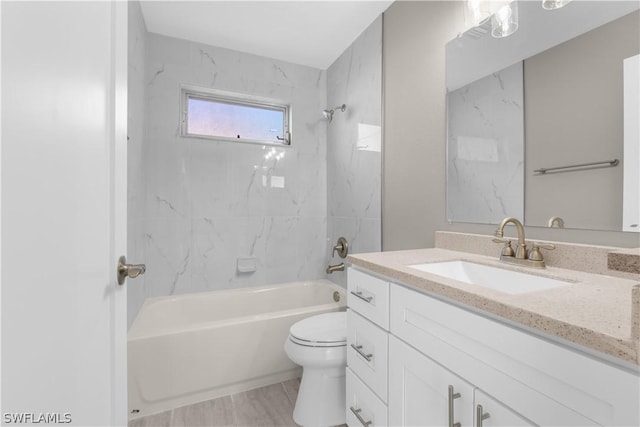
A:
x: 319, y: 345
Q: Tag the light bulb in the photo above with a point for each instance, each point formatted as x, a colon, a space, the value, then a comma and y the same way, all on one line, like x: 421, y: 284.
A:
x: 554, y: 4
x: 503, y: 15
x: 476, y: 12
x: 505, y: 21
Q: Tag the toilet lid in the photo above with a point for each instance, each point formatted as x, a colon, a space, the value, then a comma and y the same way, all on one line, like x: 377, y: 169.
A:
x: 330, y: 328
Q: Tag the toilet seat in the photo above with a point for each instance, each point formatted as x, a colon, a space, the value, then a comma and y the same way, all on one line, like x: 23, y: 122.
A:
x: 323, y: 330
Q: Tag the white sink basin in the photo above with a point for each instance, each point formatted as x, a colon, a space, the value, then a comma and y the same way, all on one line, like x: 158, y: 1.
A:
x: 507, y: 281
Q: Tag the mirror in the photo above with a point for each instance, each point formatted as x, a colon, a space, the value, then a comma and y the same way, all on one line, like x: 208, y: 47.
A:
x: 553, y: 94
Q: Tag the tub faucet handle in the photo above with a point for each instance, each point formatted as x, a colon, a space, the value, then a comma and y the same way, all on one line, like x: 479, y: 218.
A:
x: 342, y: 247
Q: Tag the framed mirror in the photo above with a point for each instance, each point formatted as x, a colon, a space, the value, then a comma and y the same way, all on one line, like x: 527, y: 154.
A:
x: 544, y: 123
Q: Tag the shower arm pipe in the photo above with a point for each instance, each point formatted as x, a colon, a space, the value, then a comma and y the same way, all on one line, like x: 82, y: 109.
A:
x: 328, y: 113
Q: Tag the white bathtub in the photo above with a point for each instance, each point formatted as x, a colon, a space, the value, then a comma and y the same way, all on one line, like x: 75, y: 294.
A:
x: 190, y: 348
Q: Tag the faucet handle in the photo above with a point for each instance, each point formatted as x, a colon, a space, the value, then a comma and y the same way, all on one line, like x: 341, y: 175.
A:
x: 507, y: 250
x: 535, y: 254
x: 547, y: 246
x: 342, y: 247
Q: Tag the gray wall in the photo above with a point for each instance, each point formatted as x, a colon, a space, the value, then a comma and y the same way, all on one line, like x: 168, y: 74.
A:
x: 415, y: 34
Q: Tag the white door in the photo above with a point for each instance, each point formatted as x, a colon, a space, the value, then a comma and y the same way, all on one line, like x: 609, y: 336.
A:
x: 423, y: 393
x: 63, y: 204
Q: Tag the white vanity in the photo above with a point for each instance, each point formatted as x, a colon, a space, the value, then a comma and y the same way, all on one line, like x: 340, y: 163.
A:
x: 426, y: 350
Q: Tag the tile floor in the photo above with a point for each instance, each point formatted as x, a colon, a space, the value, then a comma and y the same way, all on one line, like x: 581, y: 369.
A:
x: 267, y: 406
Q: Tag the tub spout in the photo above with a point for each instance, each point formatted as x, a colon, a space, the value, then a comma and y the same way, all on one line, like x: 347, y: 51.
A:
x: 337, y: 267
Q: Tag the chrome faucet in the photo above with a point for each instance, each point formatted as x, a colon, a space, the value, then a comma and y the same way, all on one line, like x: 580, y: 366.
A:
x: 531, y: 258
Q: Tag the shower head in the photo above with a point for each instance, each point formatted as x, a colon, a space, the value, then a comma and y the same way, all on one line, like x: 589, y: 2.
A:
x: 328, y: 114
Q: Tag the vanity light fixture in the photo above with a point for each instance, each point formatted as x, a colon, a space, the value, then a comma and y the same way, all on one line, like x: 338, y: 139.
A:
x: 504, y: 22
x: 554, y: 4
x: 476, y: 12
x: 503, y: 15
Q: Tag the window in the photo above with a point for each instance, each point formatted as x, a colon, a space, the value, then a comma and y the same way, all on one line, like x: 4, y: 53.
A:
x: 241, y: 119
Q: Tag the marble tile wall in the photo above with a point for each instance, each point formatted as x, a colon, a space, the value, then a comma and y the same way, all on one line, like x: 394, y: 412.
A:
x: 354, y: 158
x: 136, y: 188
x: 208, y: 203
x: 486, y: 157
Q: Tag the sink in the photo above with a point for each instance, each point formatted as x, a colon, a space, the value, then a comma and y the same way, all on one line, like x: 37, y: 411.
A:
x: 500, y: 279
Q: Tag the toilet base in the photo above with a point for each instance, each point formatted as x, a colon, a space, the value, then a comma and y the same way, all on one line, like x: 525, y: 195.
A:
x: 321, y: 398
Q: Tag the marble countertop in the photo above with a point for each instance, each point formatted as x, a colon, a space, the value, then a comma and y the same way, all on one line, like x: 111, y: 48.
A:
x: 597, y: 311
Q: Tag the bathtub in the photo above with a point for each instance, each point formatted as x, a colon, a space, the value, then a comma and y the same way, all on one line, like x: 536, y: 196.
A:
x: 191, y: 348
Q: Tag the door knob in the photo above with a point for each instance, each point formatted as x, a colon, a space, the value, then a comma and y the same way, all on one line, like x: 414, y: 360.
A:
x: 128, y: 270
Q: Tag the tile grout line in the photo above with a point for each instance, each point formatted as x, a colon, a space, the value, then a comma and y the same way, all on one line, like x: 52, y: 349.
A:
x: 286, y: 393
x: 233, y: 409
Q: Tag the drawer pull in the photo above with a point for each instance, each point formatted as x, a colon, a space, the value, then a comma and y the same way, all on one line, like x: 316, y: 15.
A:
x: 480, y: 416
x: 356, y: 412
x: 362, y: 297
x: 452, y: 396
x: 358, y: 348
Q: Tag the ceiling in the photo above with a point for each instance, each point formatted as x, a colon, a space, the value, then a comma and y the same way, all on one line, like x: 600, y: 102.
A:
x: 312, y: 33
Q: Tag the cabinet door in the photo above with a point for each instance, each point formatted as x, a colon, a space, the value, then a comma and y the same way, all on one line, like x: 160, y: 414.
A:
x: 364, y: 408
x: 423, y: 393
x: 489, y: 412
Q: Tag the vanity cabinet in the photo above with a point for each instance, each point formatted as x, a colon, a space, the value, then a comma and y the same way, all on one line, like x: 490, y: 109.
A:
x: 444, y: 359
x: 424, y: 393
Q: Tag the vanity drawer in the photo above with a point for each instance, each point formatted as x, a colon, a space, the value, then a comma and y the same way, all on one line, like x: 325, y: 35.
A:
x: 367, y: 352
x: 364, y: 408
x: 369, y: 296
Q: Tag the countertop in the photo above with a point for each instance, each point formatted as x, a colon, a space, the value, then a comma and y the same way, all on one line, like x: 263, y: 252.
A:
x: 599, y: 312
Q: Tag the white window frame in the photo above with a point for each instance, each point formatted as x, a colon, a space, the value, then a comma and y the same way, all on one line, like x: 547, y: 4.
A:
x: 192, y: 92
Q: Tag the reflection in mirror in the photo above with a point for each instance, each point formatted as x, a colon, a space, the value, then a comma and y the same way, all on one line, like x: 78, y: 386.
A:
x: 575, y: 109
x: 486, y: 149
